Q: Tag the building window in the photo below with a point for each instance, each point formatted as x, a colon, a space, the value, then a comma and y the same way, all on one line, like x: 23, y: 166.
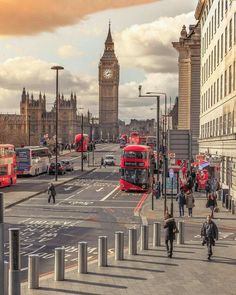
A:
x: 215, y: 22
x: 214, y: 93
x: 225, y: 86
x: 224, y: 124
x: 234, y: 76
x: 218, y: 52
x: 234, y: 27
x: 230, y: 33
x: 222, y: 46
x: 214, y: 57
x: 229, y: 124
x: 211, y: 133
x: 217, y: 127
x: 221, y: 126
x: 221, y: 86
x: 212, y: 27
x: 217, y: 90
x: 211, y: 96
x: 230, y: 79
x: 209, y: 32
x: 222, y: 9
x: 226, y: 5
x: 218, y: 14
x: 212, y: 62
x: 226, y: 40
x: 207, y: 38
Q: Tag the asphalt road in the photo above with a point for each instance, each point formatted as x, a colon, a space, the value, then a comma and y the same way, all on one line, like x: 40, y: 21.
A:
x: 85, y: 209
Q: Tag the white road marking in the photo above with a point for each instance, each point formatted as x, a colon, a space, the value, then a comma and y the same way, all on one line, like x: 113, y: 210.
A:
x: 70, y: 197
x: 68, y: 188
x: 100, y: 189
x: 107, y: 196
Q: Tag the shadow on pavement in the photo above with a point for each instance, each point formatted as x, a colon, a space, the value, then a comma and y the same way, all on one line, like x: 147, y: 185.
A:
x: 136, y: 268
x: 152, y: 262
x: 117, y: 276
x: 63, y: 291
x: 96, y: 284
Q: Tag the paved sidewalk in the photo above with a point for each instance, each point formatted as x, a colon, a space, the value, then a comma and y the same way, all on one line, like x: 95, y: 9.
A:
x: 151, y: 272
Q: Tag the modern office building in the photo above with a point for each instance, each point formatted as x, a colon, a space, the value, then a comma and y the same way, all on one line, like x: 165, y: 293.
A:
x: 217, y: 20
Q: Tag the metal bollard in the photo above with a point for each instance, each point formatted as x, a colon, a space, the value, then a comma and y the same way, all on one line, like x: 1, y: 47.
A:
x: 82, y: 257
x: 144, y: 237
x: 59, y: 264
x: 227, y: 201
x: 232, y: 207
x: 33, y: 271
x: 180, y: 235
x: 132, y: 241
x: 14, y: 261
x: 156, y: 234
x: 119, y: 245
x: 6, y: 278
x: 102, y: 251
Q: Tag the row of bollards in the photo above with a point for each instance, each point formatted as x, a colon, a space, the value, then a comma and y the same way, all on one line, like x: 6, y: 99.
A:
x: 228, y: 202
x: 13, y: 280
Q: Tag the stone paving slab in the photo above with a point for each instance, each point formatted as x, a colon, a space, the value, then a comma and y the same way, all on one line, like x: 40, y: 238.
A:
x: 151, y: 272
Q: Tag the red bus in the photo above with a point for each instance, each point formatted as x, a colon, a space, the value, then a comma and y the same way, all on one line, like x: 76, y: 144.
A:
x: 134, y: 138
x: 136, y: 165
x: 143, y: 140
x: 78, y: 143
x: 7, y: 165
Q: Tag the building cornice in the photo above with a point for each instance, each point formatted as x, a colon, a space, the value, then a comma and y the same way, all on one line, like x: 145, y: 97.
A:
x: 199, y: 8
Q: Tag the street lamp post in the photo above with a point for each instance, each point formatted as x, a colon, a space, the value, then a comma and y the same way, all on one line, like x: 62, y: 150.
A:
x: 57, y: 69
x: 29, y: 130
x: 157, y: 94
x: 157, y: 135
x: 82, y: 142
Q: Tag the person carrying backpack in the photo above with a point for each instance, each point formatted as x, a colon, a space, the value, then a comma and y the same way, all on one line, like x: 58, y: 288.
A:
x: 180, y: 198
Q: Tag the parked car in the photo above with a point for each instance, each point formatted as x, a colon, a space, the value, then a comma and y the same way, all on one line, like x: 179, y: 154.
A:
x: 68, y: 164
x: 109, y: 160
x: 60, y: 168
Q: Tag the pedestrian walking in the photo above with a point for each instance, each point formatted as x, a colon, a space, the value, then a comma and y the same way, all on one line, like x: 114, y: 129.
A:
x: 211, y: 203
x: 102, y: 162
x: 209, y: 233
x: 207, y: 188
x: 180, y: 198
x: 51, y: 193
x: 190, y: 203
x: 170, y: 229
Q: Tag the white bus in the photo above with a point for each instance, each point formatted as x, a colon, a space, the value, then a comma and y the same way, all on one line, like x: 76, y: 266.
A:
x: 32, y: 160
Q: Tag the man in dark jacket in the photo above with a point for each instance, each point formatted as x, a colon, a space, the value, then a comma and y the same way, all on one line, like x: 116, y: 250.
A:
x: 170, y: 230
x: 209, y: 232
x: 180, y: 198
x: 51, y: 193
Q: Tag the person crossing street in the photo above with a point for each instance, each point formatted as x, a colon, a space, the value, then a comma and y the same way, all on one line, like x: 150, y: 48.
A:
x: 51, y: 193
x: 209, y: 233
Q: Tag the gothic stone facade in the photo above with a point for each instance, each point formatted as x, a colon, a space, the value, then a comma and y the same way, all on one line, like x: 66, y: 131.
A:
x: 35, y: 121
x: 109, y: 72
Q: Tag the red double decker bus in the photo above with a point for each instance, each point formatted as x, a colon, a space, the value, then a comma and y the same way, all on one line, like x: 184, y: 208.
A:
x: 134, y: 138
x: 7, y: 165
x: 136, y: 165
x: 81, y: 145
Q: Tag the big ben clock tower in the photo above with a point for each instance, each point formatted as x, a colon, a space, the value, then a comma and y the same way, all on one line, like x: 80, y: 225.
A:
x: 109, y: 71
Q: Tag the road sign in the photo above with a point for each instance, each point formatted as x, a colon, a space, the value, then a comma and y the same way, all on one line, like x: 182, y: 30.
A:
x: 171, y: 155
x: 171, y: 173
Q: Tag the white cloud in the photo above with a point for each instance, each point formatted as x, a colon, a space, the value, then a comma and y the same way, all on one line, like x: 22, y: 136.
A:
x: 68, y: 51
x: 148, y: 46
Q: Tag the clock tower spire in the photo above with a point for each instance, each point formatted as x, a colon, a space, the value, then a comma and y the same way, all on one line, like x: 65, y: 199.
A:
x: 109, y: 73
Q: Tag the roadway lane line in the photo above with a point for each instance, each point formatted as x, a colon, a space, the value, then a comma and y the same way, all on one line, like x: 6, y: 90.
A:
x: 100, y: 189
x: 70, y: 197
x: 107, y: 196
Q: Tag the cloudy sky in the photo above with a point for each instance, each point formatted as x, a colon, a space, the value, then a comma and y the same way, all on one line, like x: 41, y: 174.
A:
x: 39, y: 34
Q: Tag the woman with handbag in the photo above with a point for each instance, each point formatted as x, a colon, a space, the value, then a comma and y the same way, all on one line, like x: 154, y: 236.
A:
x: 170, y: 230
x: 190, y: 203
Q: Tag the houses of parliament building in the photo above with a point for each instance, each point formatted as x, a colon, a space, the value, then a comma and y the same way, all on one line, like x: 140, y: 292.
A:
x: 34, y: 121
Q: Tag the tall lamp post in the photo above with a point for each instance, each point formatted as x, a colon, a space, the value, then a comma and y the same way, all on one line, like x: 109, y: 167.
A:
x: 29, y: 130
x: 57, y: 69
x: 157, y: 134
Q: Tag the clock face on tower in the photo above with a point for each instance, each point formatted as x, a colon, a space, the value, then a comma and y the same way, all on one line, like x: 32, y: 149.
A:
x: 107, y: 73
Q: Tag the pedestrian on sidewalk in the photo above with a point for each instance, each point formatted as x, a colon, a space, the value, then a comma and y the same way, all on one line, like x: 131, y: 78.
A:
x: 51, y: 193
x: 190, y: 203
x: 207, y: 188
x: 102, y: 162
x: 170, y: 230
x: 211, y: 203
x: 209, y: 233
x: 180, y: 198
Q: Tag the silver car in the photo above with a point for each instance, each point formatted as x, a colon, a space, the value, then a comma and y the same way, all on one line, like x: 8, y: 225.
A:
x: 109, y: 160
x: 68, y: 164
